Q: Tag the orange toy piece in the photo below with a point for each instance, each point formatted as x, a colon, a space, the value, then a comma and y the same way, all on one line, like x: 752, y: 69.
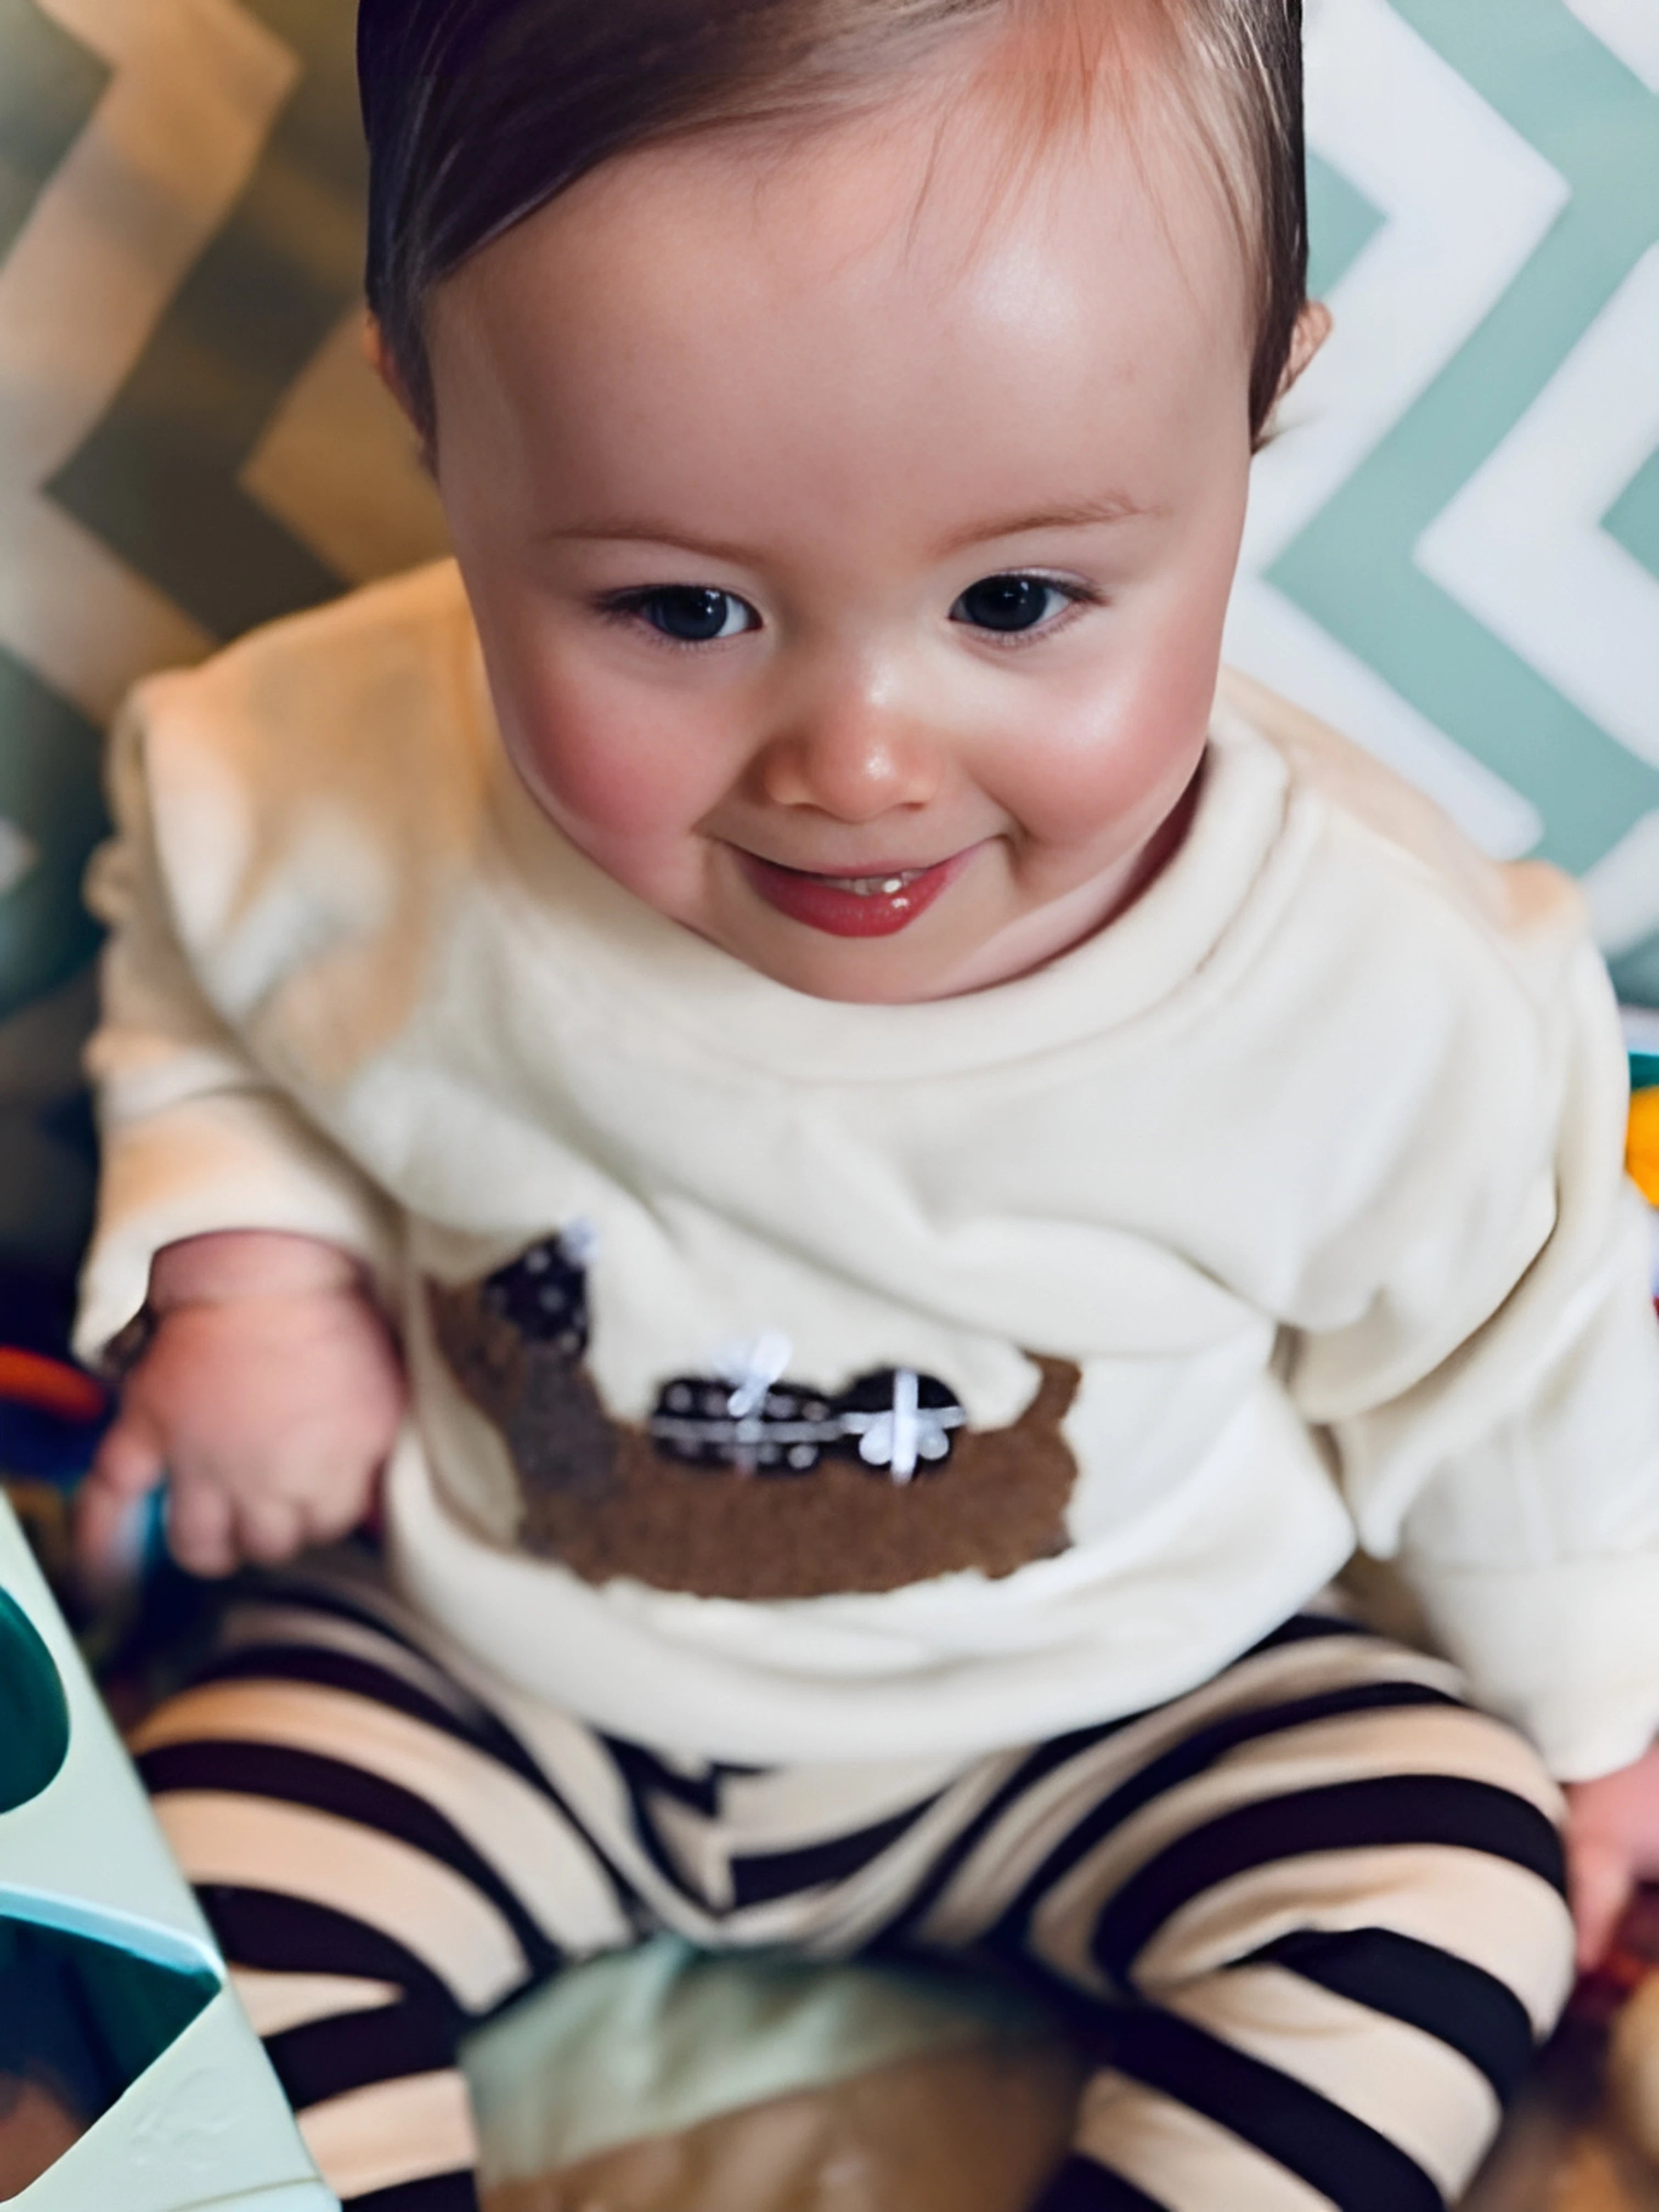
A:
x: 50, y: 1386
x: 1642, y: 1144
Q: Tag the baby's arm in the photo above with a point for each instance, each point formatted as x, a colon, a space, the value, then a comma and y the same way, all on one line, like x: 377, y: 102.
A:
x: 269, y: 1389
x: 268, y: 1397
x: 1490, y: 1386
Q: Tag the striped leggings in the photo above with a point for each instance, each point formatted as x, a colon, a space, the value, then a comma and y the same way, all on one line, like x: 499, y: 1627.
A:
x: 1309, y: 1918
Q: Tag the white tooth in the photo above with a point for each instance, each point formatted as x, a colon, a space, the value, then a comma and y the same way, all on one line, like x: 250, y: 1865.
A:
x: 870, y: 886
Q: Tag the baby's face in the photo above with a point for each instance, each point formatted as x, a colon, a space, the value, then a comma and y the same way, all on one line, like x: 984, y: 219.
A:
x: 850, y: 542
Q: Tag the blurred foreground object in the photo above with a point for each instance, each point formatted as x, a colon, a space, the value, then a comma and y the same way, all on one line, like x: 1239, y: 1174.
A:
x: 129, y: 2077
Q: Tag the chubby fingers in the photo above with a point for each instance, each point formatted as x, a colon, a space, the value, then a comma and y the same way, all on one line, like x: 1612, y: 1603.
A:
x: 201, y: 1527
x: 128, y: 1462
x: 127, y: 1467
x: 268, y: 1530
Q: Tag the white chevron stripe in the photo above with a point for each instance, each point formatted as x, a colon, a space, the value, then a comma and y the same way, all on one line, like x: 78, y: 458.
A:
x: 379, y: 514
x: 1468, y: 202
x: 1521, y: 546
x: 1622, y: 889
x: 198, y: 85
x: 1275, y: 641
x: 74, y: 612
x: 1629, y: 28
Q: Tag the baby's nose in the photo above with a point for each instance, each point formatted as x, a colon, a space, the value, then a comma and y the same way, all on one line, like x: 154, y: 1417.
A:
x: 852, y: 754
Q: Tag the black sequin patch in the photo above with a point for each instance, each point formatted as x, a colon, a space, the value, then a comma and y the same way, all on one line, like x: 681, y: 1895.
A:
x: 544, y: 1293
x: 893, y: 1421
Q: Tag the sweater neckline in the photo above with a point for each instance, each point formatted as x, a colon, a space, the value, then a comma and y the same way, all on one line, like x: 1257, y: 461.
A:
x: 600, y: 944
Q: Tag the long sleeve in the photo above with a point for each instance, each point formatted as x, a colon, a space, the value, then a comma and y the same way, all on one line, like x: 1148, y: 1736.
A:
x: 1514, y: 1473
x: 196, y: 1136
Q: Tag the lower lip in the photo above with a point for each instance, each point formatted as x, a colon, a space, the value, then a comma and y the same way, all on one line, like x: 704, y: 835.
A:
x: 840, y: 913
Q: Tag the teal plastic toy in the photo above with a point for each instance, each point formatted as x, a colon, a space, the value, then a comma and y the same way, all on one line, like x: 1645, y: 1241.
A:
x: 128, y: 2076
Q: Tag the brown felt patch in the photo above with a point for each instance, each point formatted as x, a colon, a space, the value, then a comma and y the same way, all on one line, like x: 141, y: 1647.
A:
x: 541, y: 1399
x: 601, y: 1498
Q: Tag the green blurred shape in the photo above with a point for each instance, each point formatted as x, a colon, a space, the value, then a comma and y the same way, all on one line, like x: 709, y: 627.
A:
x: 49, y: 86
x: 49, y: 788
x: 34, y: 1723
x: 85, y: 2018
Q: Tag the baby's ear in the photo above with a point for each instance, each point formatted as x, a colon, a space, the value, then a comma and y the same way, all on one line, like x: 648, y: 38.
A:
x: 378, y: 354
x: 1313, y: 327
x: 380, y: 358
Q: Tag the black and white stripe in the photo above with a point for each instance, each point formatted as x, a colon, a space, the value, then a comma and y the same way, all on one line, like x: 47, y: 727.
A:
x: 1308, y: 1920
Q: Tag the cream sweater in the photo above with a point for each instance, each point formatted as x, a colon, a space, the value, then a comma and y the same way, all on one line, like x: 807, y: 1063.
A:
x: 1104, y: 1312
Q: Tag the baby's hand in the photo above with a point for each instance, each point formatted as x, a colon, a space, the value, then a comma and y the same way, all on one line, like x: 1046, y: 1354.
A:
x: 268, y: 1398
x: 1613, y: 1842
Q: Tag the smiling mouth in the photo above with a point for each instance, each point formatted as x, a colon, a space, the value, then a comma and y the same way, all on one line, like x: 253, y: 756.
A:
x: 876, y: 904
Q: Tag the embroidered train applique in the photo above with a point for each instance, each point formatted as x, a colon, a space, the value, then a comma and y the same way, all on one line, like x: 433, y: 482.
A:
x: 746, y: 1482
x: 895, y: 1421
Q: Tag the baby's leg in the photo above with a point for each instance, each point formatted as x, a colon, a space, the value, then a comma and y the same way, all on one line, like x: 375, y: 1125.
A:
x: 382, y: 1865
x: 1314, y: 1916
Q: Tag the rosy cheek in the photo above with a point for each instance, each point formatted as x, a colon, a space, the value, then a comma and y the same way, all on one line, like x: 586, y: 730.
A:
x: 1105, y: 772
x: 604, y: 765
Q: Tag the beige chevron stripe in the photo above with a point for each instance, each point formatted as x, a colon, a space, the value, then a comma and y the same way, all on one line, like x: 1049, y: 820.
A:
x: 197, y: 86
x: 336, y: 465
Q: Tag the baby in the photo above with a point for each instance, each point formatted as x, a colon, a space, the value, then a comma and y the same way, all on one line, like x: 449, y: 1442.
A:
x: 892, y: 1182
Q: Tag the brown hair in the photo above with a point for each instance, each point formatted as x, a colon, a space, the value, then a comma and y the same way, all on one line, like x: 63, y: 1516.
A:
x: 479, y: 112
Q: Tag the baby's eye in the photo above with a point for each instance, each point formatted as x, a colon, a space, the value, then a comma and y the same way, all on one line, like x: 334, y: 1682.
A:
x: 1012, y: 603
x: 692, y: 614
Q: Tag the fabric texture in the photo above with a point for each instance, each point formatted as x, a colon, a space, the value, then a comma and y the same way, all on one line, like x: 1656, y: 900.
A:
x: 1297, y: 1189
x: 1308, y: 1920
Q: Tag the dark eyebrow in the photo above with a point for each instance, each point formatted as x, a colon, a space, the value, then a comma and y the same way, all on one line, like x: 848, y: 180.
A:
x: 650, y: 529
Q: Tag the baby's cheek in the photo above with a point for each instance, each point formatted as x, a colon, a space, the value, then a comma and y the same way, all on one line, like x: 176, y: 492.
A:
x: 1105, y: 780
x: 617, y: 772
x: 623, y: 800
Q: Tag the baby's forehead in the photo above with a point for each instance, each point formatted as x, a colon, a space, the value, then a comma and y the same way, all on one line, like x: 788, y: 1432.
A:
x: 1025, y: 102
x: 964, y: 181
x: 855, y: 334
x: 520, y: 103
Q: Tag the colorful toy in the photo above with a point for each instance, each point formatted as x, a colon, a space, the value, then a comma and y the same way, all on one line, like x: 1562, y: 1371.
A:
x: 1642, y: 1140
x: 1642, y: 1147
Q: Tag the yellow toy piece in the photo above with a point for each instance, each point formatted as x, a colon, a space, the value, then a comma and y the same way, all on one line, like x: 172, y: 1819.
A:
x: 1642, y: 1145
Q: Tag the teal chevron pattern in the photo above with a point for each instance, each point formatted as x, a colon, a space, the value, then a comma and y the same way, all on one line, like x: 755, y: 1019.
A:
x: 1453, y: 550
x: 1633, y: 519
x: 1454, y: 543
x: 1342, y: 224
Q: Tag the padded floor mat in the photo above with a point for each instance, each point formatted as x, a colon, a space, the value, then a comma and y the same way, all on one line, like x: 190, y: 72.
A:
x: 678, y: 2084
